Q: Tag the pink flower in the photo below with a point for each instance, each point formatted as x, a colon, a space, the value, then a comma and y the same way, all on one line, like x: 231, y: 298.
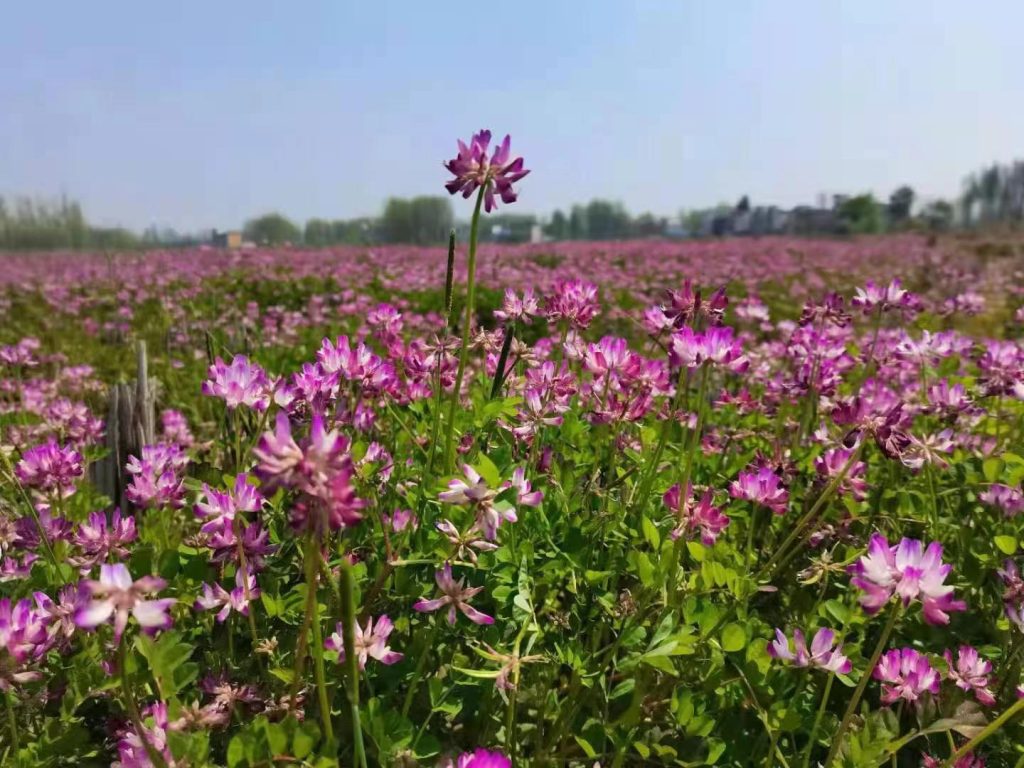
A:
x: 909, y: 570
x: 524, y: 493
x: 891, y: 296
x: 762, y: 487
x: 574, y: 302
x: 909, y: 675
x: 370, y: 641
x: 23, y: 641
x: 115, y: 595
x: 474, y: 492
x: 456, y: 595
x: 703, y: 516
x: 61, y: 615
x: 518, y: 309
x: 971, y: 673
x: 821, y: 654
x: 156, y: 480
x: 97, y: 540
x: 219, y: 507
x: 237, y: 599
x: 472, y: 169
x: 479, y: 758
x: 50, y: 469
x: 241, y: 383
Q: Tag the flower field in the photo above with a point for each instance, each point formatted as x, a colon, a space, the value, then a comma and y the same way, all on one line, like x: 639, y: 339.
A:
x: 744, y: 502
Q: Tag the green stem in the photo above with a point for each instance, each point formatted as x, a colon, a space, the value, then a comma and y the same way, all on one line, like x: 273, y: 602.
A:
x: 348, y: 620
x: 449, y: 445
x: 133, y: 708
x: 12, y: 723
x: 826, y: 494
x: 313, y: 559
x: 861, y: 685
x: 817, y: 720
x: 418, y: 673
x: 989, y: 729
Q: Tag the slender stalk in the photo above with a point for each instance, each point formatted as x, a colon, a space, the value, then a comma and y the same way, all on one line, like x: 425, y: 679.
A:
x: 989, y: 729
x: 313, y: 559
x: 499, y: 373
x: 12, y: 724
x: 474, y: 228
x: 418, y: 673
x: 817, y: 720
x: 348, y: 620
x: 861, y: 685
x: 826, y: 494
x: 133, y: 708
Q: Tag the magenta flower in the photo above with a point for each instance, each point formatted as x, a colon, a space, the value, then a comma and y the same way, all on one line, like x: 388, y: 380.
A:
x: 524, y: 493
x: 175, y: 428
x: 762, y: 487
x: 831, y: 463
x: 218, y: 508
x: 255, y: 545
x: 240, y: 383
x: 703, y: 516
x: 518, y: 309
x: 473, y: 491
x: 50, y: 469
x: 61, y: 615
x: 971, y: 673
x: 371, y: 641
x: 906, y: 674
x: 23, y: 641
x: 821, y: 653
x: 884, y: 297
x: 573, y: 302
x: 115, y: 595
x: 1013, y: 593
x: 908, y: 570
x: 472, y: 169
x: 479, y: 758
x: 156, y: 477
x: 237, y: 599
x: 456, y: 595
x: 1003, y: 497
x: 97, y: 540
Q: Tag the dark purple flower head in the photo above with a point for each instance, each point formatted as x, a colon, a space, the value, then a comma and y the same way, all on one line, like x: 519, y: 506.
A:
x: 473, y: 169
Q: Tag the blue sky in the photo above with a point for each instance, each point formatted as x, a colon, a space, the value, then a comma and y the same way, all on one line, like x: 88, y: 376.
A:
x: 200, y: 114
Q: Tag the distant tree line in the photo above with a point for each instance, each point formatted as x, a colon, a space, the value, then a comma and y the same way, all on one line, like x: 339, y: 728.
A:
x: 994, y: 196
x: 29, y: 224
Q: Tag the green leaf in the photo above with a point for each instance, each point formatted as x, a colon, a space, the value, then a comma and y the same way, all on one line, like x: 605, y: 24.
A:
x: 734, y: 638
x: 588, y: 750
x: 306, y: 737
x: 651, y: 533
x: 1006, y: 544
x: 992, y: 468
x: 488, y: 471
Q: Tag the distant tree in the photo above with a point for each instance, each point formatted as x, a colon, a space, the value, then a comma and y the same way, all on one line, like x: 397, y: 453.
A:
x: 901, y: 202
x: 607, y: 220
x: 743, y: 205
x: 558, y: 227
x: 317, y: 233
x: 938, y: 215
x: 271, y: 229
x: 860, y: 214
x: 649, y: 225
x: 421, y: 220
x: 578, y: 228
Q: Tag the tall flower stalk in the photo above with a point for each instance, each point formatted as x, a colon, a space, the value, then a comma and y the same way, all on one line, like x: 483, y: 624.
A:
x: 348, y: 620
x: 449, y: 435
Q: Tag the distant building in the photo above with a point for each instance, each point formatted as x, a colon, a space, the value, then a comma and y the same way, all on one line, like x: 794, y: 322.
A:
x: 232, y: 239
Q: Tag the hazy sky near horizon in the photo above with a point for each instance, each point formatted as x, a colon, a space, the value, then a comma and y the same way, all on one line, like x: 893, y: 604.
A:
x: 200, y: 114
